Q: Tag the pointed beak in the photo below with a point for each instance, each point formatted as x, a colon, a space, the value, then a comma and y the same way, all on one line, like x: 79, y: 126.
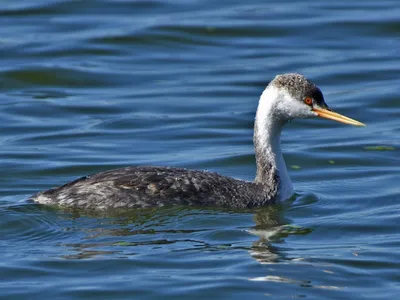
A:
x: 327, y: 114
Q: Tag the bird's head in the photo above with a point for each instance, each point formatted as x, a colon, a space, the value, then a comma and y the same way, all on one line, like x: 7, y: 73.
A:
x: 291, y: 96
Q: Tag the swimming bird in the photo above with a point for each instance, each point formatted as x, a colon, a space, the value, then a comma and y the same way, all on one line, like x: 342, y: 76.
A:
x: 286, y: 97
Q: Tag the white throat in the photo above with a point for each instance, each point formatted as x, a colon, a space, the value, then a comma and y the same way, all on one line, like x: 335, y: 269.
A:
x: 268, y: 127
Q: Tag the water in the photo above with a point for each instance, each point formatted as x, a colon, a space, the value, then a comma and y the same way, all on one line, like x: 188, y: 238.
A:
x: 88, y: 86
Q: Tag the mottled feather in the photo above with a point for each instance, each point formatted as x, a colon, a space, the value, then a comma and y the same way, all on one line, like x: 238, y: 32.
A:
x: 158, y: 186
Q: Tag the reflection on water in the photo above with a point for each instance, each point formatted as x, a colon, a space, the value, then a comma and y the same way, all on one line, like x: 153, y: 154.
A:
x: 114, y: 233
x: 272, y: 228
x: 124, y: 233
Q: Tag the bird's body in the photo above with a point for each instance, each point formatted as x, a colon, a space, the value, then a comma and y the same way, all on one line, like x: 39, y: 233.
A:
x: 158, y: 186
x: 286, y: 97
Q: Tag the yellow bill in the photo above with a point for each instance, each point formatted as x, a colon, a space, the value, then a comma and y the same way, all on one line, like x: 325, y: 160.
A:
x: 327, y: 114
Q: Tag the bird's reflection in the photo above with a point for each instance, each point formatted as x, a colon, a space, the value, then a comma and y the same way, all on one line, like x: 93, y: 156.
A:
x: 183, y: 229
x: 272, y: 228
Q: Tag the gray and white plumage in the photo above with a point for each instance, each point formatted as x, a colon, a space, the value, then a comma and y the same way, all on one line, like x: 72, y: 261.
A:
x: 158, y: 186
x: 281, y: 101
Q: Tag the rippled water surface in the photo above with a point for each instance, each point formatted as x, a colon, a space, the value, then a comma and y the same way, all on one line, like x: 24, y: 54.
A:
x: 87, y: 86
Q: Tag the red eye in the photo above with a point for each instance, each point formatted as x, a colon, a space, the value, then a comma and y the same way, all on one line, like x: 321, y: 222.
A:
x: 308, y: 101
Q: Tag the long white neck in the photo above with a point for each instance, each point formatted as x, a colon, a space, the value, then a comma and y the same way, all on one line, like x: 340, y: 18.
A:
x: 267, y: 143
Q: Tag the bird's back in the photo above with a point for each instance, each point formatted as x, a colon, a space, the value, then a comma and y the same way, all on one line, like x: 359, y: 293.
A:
x: 156, y: 186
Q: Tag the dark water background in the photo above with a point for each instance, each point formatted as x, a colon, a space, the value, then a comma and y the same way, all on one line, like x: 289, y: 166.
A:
x: 87, y: 86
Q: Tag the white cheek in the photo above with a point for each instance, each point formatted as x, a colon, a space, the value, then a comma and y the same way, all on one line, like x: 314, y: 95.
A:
x: 293, y: 108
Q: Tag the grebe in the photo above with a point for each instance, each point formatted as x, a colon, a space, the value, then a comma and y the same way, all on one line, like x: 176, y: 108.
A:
x: 286, y: 97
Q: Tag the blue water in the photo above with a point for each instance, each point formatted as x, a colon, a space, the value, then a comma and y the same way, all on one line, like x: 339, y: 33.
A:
x: 87, y: 86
